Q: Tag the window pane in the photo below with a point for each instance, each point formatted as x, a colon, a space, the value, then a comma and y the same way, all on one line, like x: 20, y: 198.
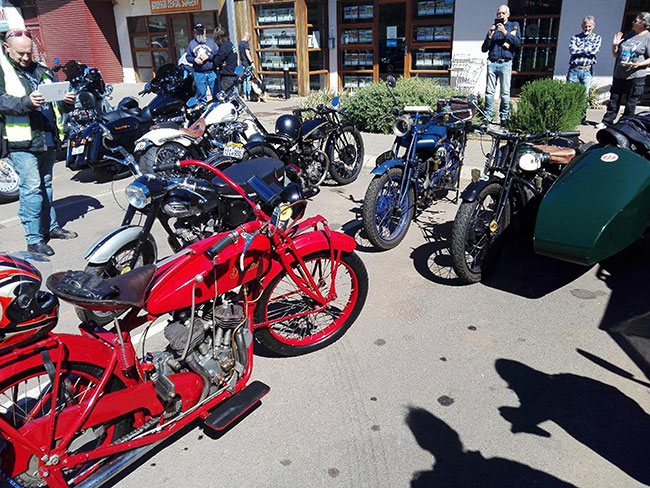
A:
x: 317, y: 82
x: 143, y: 59
x: 160, y: 58
x: 157, y: 23
x: 137, y: 25
x: 159, y: 41
x: 205, y: 18
x: 145, y: 74
x: 140, y: 42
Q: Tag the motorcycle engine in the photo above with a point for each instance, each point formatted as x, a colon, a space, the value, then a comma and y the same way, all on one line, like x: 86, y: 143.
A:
x: 217, y: 344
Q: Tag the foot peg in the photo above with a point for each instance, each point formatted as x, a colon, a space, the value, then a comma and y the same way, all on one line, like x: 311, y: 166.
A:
x: 234, y: 407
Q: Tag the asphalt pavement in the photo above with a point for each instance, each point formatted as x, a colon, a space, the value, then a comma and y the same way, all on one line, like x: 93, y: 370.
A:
x: 515, y: 382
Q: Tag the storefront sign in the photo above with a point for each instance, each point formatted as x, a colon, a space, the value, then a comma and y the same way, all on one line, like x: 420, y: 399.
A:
x: 162, y: 6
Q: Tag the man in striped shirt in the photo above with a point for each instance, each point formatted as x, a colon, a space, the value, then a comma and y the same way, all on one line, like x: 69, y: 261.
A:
x: 583, y: 49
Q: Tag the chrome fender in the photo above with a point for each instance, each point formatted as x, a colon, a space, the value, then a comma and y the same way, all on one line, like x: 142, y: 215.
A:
x: 106, y: 247
x: 386, y: 165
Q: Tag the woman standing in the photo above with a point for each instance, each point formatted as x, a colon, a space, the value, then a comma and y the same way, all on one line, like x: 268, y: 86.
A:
x: 632, y: 52
x: 226, y: 58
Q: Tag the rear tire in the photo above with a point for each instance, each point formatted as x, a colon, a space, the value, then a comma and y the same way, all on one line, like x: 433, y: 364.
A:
x: 8, y: 182
x: 260, y: 151
x: 115, y: 266
x: 167, y: 152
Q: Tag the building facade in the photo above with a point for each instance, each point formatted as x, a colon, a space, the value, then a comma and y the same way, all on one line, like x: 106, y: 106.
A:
x: 327, y: 43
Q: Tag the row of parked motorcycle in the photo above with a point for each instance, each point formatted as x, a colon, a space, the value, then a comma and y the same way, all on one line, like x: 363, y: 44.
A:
x: 77, y: 409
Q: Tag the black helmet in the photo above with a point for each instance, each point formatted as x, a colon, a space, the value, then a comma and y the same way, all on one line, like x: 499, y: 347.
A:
x: 288, y: 125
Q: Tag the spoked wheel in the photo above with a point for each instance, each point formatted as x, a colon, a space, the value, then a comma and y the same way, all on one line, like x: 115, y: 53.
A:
x: 475, y: 233
x: 169, y: 152
x: 8, y: 182
x: 118, y: 264
x: 282, y: 298
x: 387, y: 213
x: 345, y: 151
x: 26, y: 399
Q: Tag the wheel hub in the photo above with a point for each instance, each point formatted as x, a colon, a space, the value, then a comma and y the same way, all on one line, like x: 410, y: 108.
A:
x: 8, y: 177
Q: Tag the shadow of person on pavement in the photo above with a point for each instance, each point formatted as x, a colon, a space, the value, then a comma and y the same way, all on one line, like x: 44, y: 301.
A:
x: 594, y: 413
x: 73, y: 207
x: 455, y: 467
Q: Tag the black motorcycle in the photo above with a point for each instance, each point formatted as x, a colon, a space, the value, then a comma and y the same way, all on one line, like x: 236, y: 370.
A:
x: 322, y: 145
x: 173, y: 86
x: 519, y: 170
x: 189, y: 209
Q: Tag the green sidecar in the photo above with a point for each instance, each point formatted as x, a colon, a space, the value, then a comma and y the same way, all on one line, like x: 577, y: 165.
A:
x: 598, y: 206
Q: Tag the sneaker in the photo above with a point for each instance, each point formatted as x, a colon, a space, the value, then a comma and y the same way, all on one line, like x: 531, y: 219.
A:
x: 601, y: 126
x: 61, y: 233
x: 40, y: 248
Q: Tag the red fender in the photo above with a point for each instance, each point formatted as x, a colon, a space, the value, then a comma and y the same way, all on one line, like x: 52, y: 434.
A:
x: 311, y: 242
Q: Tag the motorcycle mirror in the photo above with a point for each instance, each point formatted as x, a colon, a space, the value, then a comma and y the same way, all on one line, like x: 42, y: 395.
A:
x: 336, y: 101
x: 239, y: 70
x: 56, y: 60
x: 191, y: 103
x: 391, y: 81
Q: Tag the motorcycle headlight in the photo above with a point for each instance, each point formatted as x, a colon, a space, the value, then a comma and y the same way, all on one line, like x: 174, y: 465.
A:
x: 530, y: 161
x: 138, y: 195
x: 402, y: 125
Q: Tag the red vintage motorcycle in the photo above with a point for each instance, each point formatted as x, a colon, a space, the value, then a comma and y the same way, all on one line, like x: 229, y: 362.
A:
x: 77, y: 409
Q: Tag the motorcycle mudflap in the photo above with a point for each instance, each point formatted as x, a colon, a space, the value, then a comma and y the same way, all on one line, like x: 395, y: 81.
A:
x: 598, y: 206
x: 472, y: 190
x: 386, y: 165
x: 175, y: 278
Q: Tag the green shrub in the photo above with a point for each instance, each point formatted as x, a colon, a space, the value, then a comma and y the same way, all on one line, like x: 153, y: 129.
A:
x: 549, y: 104
x: 369, y: 107
x: 316, y: 98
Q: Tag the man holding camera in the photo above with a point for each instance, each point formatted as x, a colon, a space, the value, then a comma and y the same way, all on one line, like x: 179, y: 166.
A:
x: 501, y: 42
x: 201, y: 52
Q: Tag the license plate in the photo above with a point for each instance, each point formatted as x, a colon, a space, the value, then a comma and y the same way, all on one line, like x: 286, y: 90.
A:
x: 233, y: 150
x: 77, y: 150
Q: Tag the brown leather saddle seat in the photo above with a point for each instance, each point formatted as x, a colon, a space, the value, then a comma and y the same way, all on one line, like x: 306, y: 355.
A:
x: 559, y: 155
x: 124, y: 291
x: 195, y: 130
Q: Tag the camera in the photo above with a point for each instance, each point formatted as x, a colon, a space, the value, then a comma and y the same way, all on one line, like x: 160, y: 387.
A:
x: 498, y: 21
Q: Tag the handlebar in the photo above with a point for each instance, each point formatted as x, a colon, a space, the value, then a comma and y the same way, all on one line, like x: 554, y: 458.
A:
x: 165, y: 166
x: 221, y: 244
x: 506, y: 134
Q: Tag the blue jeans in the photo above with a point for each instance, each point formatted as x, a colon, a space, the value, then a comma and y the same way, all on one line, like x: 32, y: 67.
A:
x: 503, y: 73
x: 36, y: 211
x: 246, y: 86
x: 576, y: 75
x: 203, y: 81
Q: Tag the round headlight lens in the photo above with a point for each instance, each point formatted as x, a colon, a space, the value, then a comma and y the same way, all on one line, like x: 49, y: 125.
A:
x: 138, y: 195
x: 529, y: 161
x: 402, y: 126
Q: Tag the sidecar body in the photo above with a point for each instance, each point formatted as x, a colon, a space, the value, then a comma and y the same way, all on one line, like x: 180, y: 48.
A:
x: 598, y: 206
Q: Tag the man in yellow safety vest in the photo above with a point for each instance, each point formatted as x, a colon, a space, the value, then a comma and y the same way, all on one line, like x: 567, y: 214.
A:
x: 31, y: 131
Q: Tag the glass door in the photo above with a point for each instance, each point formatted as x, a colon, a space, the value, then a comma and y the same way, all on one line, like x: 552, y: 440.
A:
x: 181, y: 34
x: 392, y: 39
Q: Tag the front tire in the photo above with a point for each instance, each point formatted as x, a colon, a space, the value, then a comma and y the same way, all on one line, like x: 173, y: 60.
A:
x: 472, y: 240
x: 115, y: 266
x: 300, y: 335
x: 8, y: 182
x: 345, y: 151
x: 385, y: 220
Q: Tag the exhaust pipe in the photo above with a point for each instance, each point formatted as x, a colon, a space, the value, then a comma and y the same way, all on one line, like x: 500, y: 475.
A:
x: 117, y: 465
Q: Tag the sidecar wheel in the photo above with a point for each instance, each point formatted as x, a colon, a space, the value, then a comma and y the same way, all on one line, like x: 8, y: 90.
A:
x: 27, y: 398
x: 385, y: 220
x: 307, y: 333
x: 115, y: 266
x: 473, y: 244
x: 8, y: 182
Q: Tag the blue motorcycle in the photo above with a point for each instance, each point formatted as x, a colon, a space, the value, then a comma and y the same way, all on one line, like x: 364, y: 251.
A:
x: 423, y: 166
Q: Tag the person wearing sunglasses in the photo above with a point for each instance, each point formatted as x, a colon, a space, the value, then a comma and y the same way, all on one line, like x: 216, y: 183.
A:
x: 32, y: 131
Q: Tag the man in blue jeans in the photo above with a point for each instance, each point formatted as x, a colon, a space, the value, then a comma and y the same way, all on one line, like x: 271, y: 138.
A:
x: 583, y: 48
x: 501, y: 43
x: 31, y: 131
x: 200, y: 52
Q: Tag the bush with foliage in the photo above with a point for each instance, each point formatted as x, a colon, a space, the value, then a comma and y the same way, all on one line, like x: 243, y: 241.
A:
x: 549, y: 104
x: 315, y: 98
x: 369, y: 107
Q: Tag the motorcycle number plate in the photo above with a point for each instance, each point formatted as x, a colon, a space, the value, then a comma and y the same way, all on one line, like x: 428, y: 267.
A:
x: 77, y: 150
x: 233, y: 150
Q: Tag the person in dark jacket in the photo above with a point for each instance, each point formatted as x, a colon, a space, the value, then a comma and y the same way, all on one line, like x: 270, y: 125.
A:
x: 226, y: 59
x: 501, y: 43
x: 32, y: 131
x: 200, y: 53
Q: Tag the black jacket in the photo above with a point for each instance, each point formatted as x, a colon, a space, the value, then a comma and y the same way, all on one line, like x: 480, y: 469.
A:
x: 630, y: 132
x: 226, y: 59
x: 10, y: 105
